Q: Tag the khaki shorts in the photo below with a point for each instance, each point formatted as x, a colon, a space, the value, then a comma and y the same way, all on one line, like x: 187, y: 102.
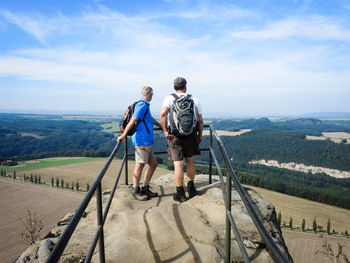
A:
x: 143, y: 153
x: 181, y: 147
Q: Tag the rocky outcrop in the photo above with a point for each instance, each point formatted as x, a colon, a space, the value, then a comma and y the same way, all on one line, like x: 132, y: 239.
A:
x: 161, y: 230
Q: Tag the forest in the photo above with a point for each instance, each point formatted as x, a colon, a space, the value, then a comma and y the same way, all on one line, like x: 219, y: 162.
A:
x: 284, y: 141
x: 59, y: 137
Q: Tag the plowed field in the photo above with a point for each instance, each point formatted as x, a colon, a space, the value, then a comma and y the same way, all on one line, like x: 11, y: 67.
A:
x: 16, y: 198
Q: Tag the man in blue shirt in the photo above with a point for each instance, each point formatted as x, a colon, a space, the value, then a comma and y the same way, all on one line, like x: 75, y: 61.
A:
x: 143, y: 141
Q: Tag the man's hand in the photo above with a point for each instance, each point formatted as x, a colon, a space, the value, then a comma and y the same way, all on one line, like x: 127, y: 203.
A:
x: 121, y: 138
x: 168, y: 135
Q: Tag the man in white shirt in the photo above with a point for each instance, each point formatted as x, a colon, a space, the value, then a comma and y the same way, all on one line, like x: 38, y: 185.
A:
x: 182, y: 147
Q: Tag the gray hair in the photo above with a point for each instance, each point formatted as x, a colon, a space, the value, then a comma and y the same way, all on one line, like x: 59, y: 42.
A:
x: 146, y: 91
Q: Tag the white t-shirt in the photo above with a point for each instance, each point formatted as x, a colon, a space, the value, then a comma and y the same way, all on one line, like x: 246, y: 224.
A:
x: 168, y: 100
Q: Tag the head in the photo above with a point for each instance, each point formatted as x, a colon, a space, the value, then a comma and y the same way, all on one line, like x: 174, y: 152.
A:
x: 180, y: 83
x: 147, y: 93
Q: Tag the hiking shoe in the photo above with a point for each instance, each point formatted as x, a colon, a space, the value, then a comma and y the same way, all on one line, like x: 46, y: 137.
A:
x: 145, y: 190
x: 191, y: 189
x: 137, y: 194
x: 180, y: 195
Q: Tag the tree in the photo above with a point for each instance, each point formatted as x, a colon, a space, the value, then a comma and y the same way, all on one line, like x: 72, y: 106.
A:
x: 291, y: 222
x: 303, y: 225
x: 279, y: 218
x: 33, y: 226
x: 328, y: 226
x: 52, y: 182
x: 314, y: 225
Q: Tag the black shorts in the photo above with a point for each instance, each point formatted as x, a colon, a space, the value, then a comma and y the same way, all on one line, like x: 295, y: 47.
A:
x: 181, y: 147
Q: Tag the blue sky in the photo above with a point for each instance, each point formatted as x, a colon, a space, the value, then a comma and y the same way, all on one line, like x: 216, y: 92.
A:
x: 239, y: 57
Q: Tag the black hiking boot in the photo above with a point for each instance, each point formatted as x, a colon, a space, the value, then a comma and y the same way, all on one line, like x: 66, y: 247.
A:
x: 180, y: 194
x: 191, y: 189
x: 145, y: 190
x: 138, y: 195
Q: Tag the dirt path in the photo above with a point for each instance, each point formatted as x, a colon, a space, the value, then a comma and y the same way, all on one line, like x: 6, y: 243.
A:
x: 16, y: 198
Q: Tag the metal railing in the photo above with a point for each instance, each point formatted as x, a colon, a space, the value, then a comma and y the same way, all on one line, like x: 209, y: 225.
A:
x: 231, y: 176
x: 101, y: 217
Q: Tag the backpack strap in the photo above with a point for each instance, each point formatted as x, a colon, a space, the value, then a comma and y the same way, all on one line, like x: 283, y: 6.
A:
x: 175, y: 96
x: 144, y: 120
x: 144, y: 116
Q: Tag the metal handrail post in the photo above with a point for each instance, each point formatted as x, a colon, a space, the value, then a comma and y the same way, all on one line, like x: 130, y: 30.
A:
x: 228, y: 213
x: 228, y: 223
x: 126, y: 160
x: 100, y: 222
x: 210, y: 155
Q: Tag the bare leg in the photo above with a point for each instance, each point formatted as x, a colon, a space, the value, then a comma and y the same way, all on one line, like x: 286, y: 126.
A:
x: 179, y: 173
x: 137, y: 173
x: 190, y: 169
x: 149, y: 173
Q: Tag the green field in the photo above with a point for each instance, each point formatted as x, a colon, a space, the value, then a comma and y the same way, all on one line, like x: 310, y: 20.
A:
x: 48, y: 162
x: 111, y: 127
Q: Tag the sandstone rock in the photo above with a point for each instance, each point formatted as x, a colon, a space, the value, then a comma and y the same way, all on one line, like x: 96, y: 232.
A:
x: 38, y: 252
x: 161, y: 230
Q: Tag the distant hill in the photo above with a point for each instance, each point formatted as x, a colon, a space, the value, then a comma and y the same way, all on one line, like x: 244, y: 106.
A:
x: 326, y: 115
x: 307, y: 126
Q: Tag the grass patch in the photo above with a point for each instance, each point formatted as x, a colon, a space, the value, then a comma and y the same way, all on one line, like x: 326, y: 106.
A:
x: 49, y: 162
x: 111, y: 127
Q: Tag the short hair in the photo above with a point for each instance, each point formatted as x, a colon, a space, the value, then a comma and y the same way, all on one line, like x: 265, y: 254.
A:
x: 179, y: 83
x: 147, y: 91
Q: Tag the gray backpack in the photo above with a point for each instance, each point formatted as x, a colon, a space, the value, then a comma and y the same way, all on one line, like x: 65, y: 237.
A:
x: 183, y: 116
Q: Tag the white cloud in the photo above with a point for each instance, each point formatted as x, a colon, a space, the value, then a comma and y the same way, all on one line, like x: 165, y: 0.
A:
x: 117, y: 70
x: 107, y: 51
x: 314, y: 27
x: 212, y: 12
x: 104, y: 22
x: 37, y: 27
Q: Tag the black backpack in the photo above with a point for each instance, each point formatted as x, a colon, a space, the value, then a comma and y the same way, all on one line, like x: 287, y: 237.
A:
x: 127, y: 117
x: 183, y: 116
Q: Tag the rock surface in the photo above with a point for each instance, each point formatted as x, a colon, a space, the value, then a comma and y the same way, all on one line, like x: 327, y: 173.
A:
x: 161, y: 230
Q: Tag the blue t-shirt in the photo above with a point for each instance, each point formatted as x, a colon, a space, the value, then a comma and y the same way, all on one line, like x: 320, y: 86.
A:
x: 141, y: 136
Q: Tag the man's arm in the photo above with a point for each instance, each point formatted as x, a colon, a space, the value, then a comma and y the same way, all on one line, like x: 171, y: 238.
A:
x: 127, y: 129
x: 163, y: 121
x: 155, y: 122
x: 200, y: 132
